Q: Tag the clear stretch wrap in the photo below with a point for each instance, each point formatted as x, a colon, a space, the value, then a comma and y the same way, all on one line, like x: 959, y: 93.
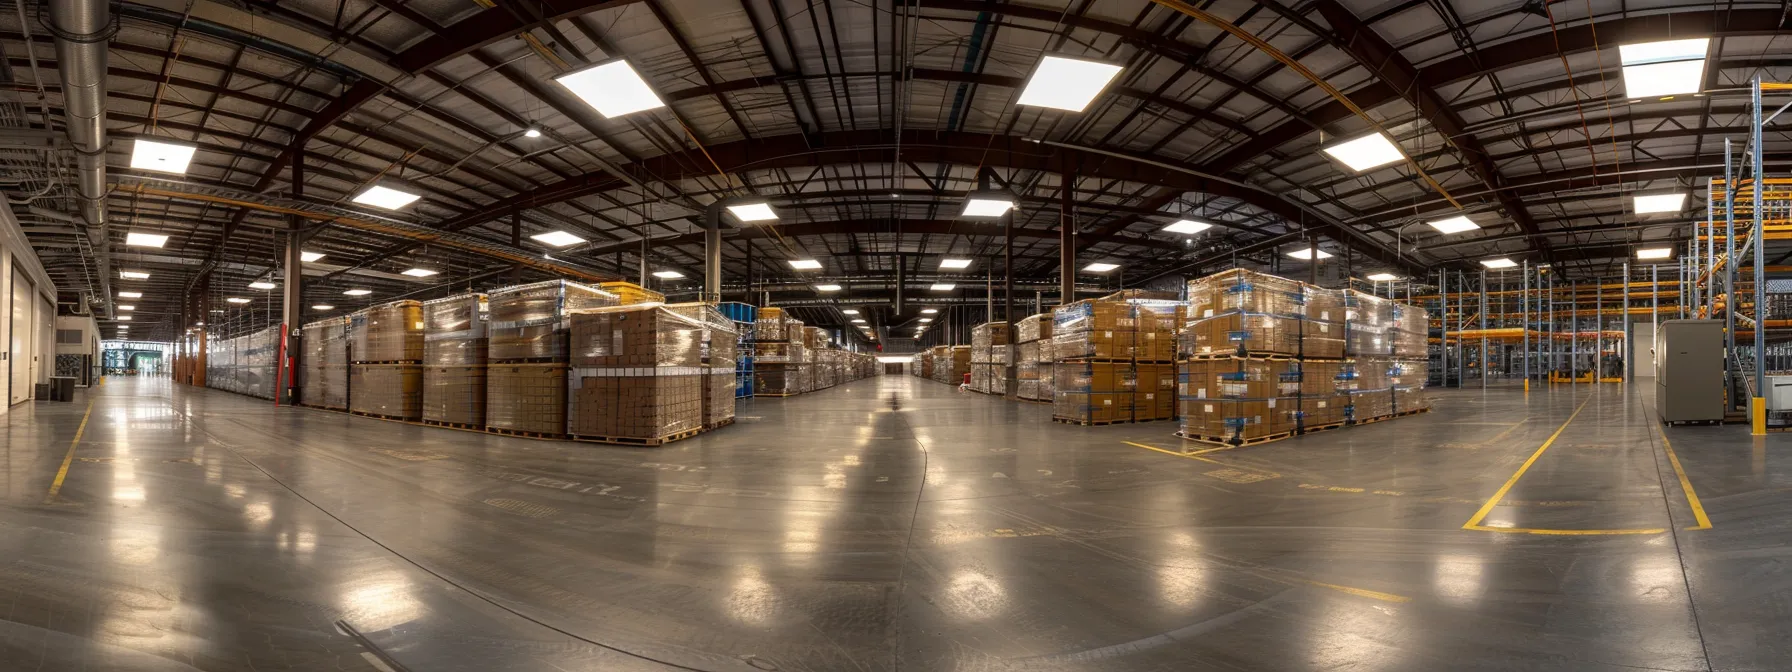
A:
x: 1368, y: 321
x: 1094, y: 392
x: 637, y: 373
x: 529, y: 322
x: 1411, y: 328
x: 387, y: 390
x: 989, y: 343
x: 325, y: 371
x: 455, y: 347
x: 1033, y: 328
x: 628, y: 293
x: 389, y: 332
x: 951, y: 362
x: 720, y: 348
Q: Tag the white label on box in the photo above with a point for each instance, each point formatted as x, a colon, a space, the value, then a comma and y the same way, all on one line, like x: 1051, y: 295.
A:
x: 1107, y: 402
x: 1202, y: 394
x: 1322, y: 404
x: 1206, y: 408
x: 1272, y: 403
x: 1207, y: 313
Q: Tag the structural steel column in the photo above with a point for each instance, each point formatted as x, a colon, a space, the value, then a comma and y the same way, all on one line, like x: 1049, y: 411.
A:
x: 1624, y: 322
x: 1729, y: 267
x: 1758, y: 405
x: 644, y: 243
x: 1524, y: 321
x: 293, y: 288
x: 1010, y: 389
x: 712, y: 253
x: 1483, y: 326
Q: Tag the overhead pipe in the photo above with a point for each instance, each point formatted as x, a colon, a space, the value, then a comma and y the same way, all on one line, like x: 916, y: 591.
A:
x: 82, y: 29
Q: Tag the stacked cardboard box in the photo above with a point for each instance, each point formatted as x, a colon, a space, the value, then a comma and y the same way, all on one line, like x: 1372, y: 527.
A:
x: 1368, y: 325
x: 1133, y: 330
x: 1096, y: 393
x: 324, y: 381
x: 718, y: 352
x: 637, y: 374
x: 386, y: 347
x: 989, y: 358
x: 1034, y: 370
x: 1407, y: 378
x: 922, y: 364
x: 244, y: 364
x: 780, y: 353
x: 455, y: 355
x: 1410, y: 331
x: 628, y: 293
x: 526, y: 377
x: 814, y: 374
x: 951, y: 363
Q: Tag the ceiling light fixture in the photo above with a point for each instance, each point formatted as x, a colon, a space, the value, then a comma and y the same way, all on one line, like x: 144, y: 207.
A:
x: 419, y: 272
x: 1456, y: 224
x: 1370, y: 151
x: 858, y: 321
x: 123, y: 318
x: 1307, y: 253
x: 1383, y: 277
x: 262, y: 284
x: 323, y: 306
x: 805, y: 264
x: 127, y: 307
x: 943, y: 287
x: 532, y: 132
x: 357, y: 292
x: 557, y: 238
x: 1664, y: 68
x: 930, y: 311
x: 1100, y: 267
x: 1069, y: 84
x: 310, y: 256
x: 1657, y: 203
x: 161, y: 156
x: 1501, y: 262
x: 850, y: 311
x: 1655, y: 253
x: 613, y: 89
x: 385, y: 197
x: 1187, y: 226
x: 130, y: 295
x: 668, y: 275
x: 951, y: 263
x: 760, y: 211
x: 135, y: 239
x: 987, y: 204
x: 827, y: 288
x: 237, y: 300
x: 925, y: 320
x: 133, y: 275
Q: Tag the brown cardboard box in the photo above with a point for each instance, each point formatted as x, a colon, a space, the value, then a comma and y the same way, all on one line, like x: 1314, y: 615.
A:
x: 1096, y: 408
x: 454, y: 358
x: 1154, y: 397
x: 1092, y: 315
x: 1233, y: 333
x: 529, y: 322
x: 1033, y: 328
x: 389, y: 332
x: 454, y: 394
x: 1371, y: 404
x: 387, y: 390
x: 1229, y: 419
x: 644, y: 402
x: 527, y: 397
x: 323, y: 376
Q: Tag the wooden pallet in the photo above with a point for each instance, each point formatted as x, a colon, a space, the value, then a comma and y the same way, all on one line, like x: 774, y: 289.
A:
x: 718, y: 425
x: 338, y: 409
x: 455, y: 425
x: 1089, y: 423
x: 1025, y: 400
x: 776, y: 394
x: 1094, y: 360
x: 1371, y: 421
x: 1321, y: 428
x: 1258, y: 356
x: 1235, y: 442
x: 636, y: 440
x: 380, y: 416
x: 417, y: 362
x: 526, y: 360
x: 520, y: 433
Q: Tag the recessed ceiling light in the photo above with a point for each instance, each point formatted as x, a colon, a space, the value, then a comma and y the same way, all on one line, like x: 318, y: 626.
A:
x: 613, y: 89
x: 127, y: 307
x: 1100, y: 267
x: 850, y: 311
x: 753, y: 212
x: 135, y: 239
x: 133, y: 275
x: 1664, y: 68
x: 668, y: 275
x: 1370, y: 151
x: 925, y: 320
x: 930, y: 311
x: 385, y: 197
x: 985, y: 206
x: 827, y: 288
x: 130, y: 295
x: 161, y: 156
x: 357, y: 292
x: 1307, y: 253
x: 1655, y: 253
x: 419, y: 272
x: 532, y: 132
x: 1064, y: 83
x: 858, y: 321
x: 805, y: 264
x: 1501, y: 262
x: 123, y: 318
x: 323, y: 306
x: 262, y: 284
x: 943, y: 287
x: 237, y: 300
x: 955, y: 263
x: 1188, y: 226
x: 1383, y: 277
x: 557, y: 238
x: 1456, y: 224
x: 310, y: 256
x: 1654, y: 203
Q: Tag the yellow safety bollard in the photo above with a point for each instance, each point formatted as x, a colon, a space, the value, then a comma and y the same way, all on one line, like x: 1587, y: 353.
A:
x: 1757, y: 416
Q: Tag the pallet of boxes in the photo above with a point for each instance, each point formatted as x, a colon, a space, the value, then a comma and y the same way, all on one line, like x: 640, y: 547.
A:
x: 989, y: 358
x: 636, y: 375
x: 324, y: 374
x: 719, y: 357
x: 951, y: 363
x: 528, y: 356
x: 455, y: 360
x: 1114, y: 359
x: 386, y: 370
x: 779, y: 354
x: 815, y: 367
x: 1034, y: 368
x: 1386, y: 369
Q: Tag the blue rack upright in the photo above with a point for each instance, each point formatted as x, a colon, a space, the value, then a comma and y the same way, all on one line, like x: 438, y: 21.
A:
x: 743, y: 315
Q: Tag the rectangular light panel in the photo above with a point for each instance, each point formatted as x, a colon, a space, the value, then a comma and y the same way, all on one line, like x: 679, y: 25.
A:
x: 557, y: 238
x: 1654, y: 203
x: 1187, y: 226
x: 955, y: 263
x: 943, y: 287
x: 127, y: 307
x: 123, y: 318
x: 1308, y: 254
x: 827, y: 288
x: 1099, y: 267
x: 1370, y: 151
x: 613, y: 89
x: 310, y: 256
x: 667, y: 275
x: 986, y: 207
x: 133, y: 275
x: 261, y: 285
x: 1456, y: 224
x: 1066, y: 83
x: 237, y: 300
x: 1383, y: 277
x: 323, y: 306
x: 419, y: 272
x: 753, y: 212
x: 805, y: 264
x: 1501, y: 262
x: 357, y: 292
x: 1665, y: 68
x: 385, y: 197
x: 130, y: 295
x: 851, y: 311
x: 135, y: 239
x: 161, y: 156
x: 1655, y: 253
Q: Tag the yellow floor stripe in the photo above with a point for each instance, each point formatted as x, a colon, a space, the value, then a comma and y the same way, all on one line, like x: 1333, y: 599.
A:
x: 1361, y: 592
x: 62, y: 473
x: 1692, y: 498
x: 1564, y: 533
x: 1475, y: 522
x: 1191, y: 456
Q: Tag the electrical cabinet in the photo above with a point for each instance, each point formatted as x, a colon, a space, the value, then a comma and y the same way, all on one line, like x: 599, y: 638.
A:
x: 1689, y: 371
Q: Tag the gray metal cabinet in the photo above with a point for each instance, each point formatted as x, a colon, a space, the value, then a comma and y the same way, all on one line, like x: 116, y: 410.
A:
x: 1689, y: 371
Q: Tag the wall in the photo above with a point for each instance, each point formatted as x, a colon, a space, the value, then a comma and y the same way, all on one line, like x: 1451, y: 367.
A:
x: 29, y: 326
x: 1642, y: 345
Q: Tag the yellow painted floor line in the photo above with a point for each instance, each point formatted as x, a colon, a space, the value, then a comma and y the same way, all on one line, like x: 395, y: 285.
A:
x: 1475, y: 522
x: 1565, y: 533
x: 1361, y: 592
x: 62, y: 473
x: 1194, y: 456
x: 1692, y: 498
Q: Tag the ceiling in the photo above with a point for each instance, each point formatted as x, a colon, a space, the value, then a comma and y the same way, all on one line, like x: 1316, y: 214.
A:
x: 865, y: 123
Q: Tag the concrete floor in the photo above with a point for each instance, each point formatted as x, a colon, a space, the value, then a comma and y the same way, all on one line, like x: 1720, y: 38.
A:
x: 892, y: 523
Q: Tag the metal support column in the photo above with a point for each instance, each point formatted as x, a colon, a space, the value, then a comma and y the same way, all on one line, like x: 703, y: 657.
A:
x: 1654, y: 312
x: 643, y: 270
x: 1624, y: 327
x: 1598, y: 329
x: 1066, y: 240
x: 1710, y: 252
x: 1524, y: 322
x: 1483, y: 327
x: 1010, y: 388
x: 712, y: 253
x: 1758, y: 405
x: 1729, y: 269
x: 292, y: 288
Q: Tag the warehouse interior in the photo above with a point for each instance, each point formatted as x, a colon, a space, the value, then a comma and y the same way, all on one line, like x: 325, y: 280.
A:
x: 886, y: 335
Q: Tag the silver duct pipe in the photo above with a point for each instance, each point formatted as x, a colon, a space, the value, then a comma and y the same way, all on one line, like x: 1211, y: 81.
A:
x: 82, y: 29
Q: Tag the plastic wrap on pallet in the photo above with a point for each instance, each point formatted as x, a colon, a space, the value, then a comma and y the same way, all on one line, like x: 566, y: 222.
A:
x: 1365, y: 373
x: 1093, y: 391
x: 1097, y: 344
x: 1155, y: 337
x: 1368, y: 323
x: 387, y: 390
x: 1091, y: 315
x: 526, y: 397
x: 530, y: 321
x: 637, y: 372
x: 1410, y: 331
x: 815, y: 338
x: 1250, y: 333
x: 628, y: 293
x: 951, y: 363
x: 455, y: 348
x: 1033, y: 328
x: 1245, y: 291
x: 324, y: 377
x: 1408, y: 399
x: 1205, y: 415
x: 1371, y: 404
x: 389, y: 332
x: 989, y: 343
x: 1154, y: 393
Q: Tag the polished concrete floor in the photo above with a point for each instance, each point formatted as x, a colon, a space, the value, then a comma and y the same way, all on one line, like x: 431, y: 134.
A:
x: 890, y: 524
